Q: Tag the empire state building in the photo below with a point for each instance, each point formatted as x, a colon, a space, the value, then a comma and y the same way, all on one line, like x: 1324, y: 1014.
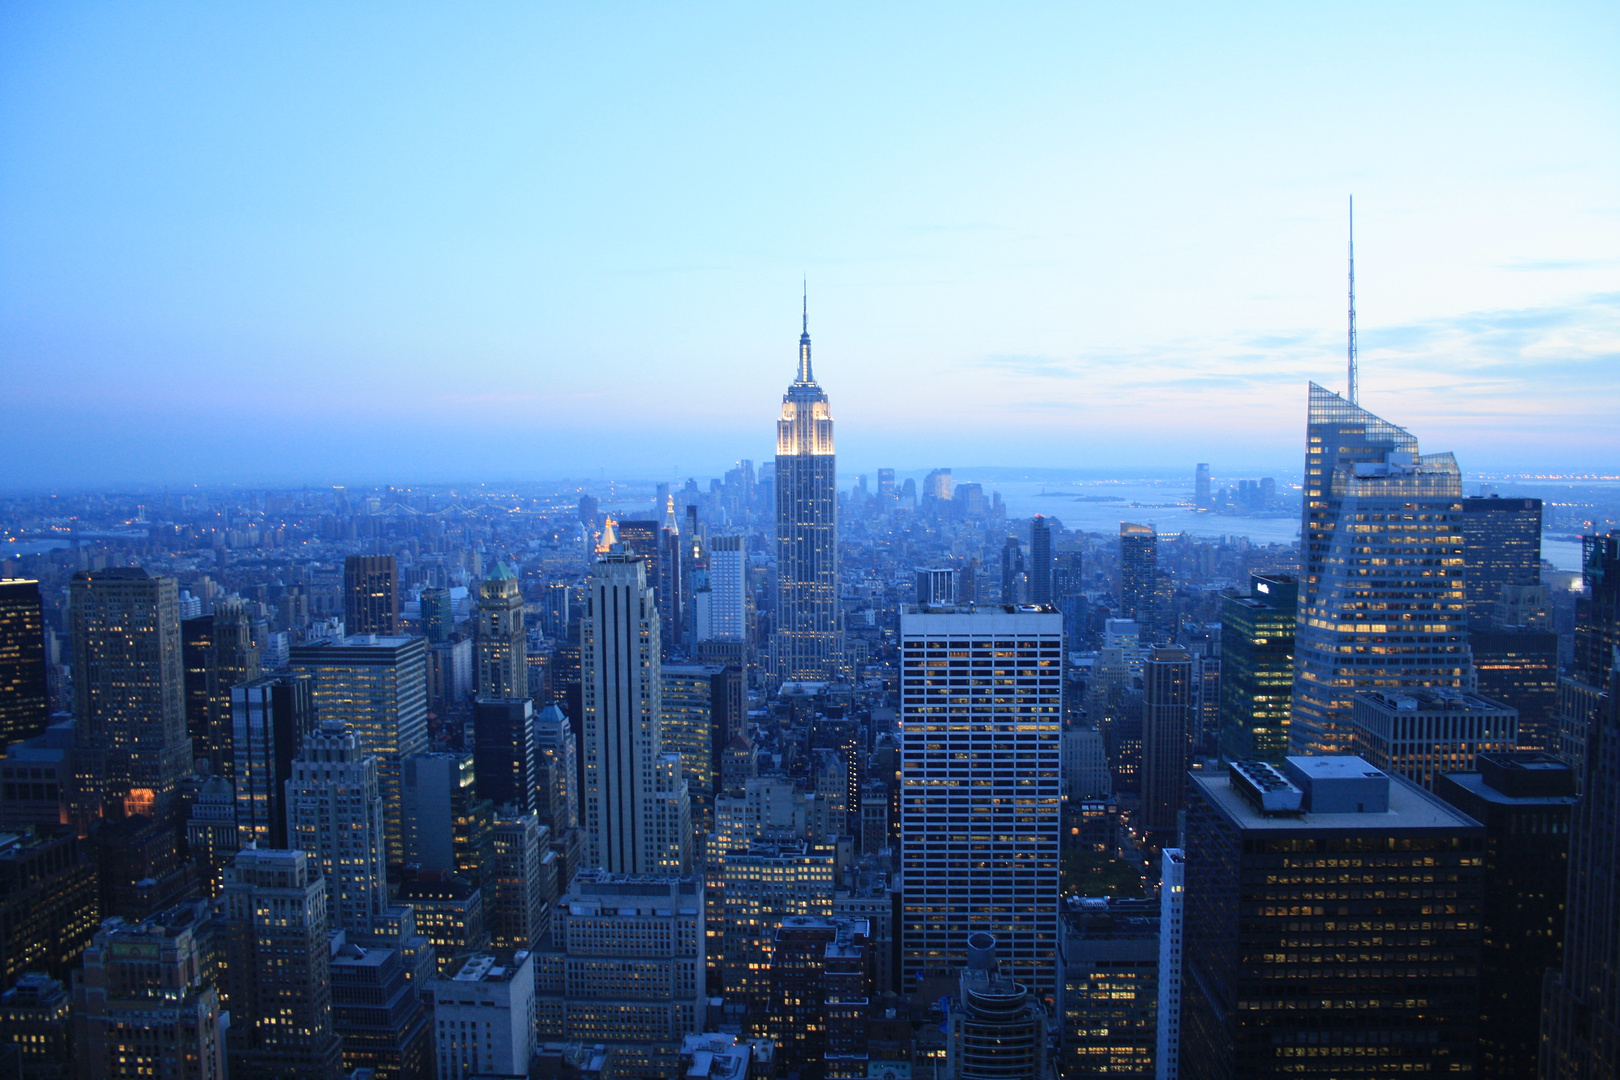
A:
x: 807, y: 643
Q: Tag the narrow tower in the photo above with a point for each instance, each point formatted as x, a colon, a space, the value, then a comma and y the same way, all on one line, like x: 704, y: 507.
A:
x: 807, y: 639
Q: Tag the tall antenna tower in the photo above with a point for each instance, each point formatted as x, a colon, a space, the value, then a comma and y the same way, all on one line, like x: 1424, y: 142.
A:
x: 1351, y: 381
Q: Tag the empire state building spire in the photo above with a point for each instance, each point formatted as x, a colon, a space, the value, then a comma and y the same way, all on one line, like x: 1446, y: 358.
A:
x: 805, y: 376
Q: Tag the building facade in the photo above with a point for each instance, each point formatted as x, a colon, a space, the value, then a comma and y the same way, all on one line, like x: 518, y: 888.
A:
x: 370, y: 595
x: 1257, y: 669
x: 24, y: 699
x: 335, y: 815
x: 503, y: 661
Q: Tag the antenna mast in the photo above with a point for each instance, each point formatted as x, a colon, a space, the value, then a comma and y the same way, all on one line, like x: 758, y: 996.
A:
x: 1352, y: 373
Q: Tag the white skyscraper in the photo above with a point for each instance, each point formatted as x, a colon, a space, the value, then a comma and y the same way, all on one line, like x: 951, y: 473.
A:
x: 728, y: 568
x: 981, y: 786
x: 632, y: 797
x: 335, y: 814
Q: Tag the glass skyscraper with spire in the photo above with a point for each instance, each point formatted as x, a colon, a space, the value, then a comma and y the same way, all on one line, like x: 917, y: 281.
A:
x: 807, y: 643
x: 1381, y: 600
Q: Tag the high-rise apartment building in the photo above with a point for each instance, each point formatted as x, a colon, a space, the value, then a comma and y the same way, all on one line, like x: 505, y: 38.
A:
x: 1501, y: 550
x: 1332, y: 924
x: 1040, y: 561
x: 335, y: 815
x: 1139, y: 576
x: 1257, y: 669
x: 278, y: 968
x: 24, y: 701
x: 632, y: 798
x: 1524, y: 799
x: 505, y: 757
x: 981, y: 714
x: 808, y: 643
x: 271, y: 717
x: 1580, y: 1023
x: 378, y: 687
x: 128, y: 693
x: 1381, y: 601
x: 503, y: 657
x: 609, y: 924
x: 370, y: 595
x: 145, y: 1004
x: 1167, y: 738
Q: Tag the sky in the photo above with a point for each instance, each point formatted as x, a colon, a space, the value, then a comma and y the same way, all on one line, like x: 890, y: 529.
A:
x: 311, y: 243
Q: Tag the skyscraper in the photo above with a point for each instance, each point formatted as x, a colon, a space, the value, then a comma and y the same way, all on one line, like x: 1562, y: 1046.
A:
x: 504, y: 754
x: 626, y: 798
x: 728, y: 576
x: 1580, y: 1023
x: 271, y: 717
x: 1257, y: 669
x: 808, y: 642
x: 523, y: 885
x: 1139, y: 576
x: 377, y: 686
x: 335, y: 814
x: 1309, y: 945
x: 438, y: 615
x: 1201, y: 497
x: 235, y: 660
x: 449, y: 826
x: 278, y: 968
x: 981, y: 783
x: 1040, y: 561
x: 1502, y: 551
x: 24, y: 704
x: 1167, y: 738
x: 1014, y: 574
x: 659, y: 547
x: 370, y: 595
x: 128, y: 693
x: 503, y: 651
x: 1381, y: 600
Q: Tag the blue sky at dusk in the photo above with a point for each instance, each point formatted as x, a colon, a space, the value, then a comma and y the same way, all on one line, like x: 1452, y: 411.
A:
x: 339, y: 243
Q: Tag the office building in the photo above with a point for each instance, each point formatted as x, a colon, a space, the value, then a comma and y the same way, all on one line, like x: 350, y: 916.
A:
x: 659, y: 547
x: 335, y: 815
x: 1419, y: 733
x: 1519, y: 668
x: 1257, y: 669
x: 557, y: 789
x: 629, y: 792
x: 728, y: 589
x: 609, y: 923
x: 981, y: 713
x: 1040, y: 561
x: 762, y: 884
x: 505, y: 758
x: 523, y: 883
x: 1201, y: 493
x: 808, y: 642
x: 378, y: 687
x: 1167, y: 739
x: 1501, y: 550
x: 1381, y: 598
x: 278, y: 968
x: 483, y: 1017
x: 234, y: 660
x: 49, y: 904
x: 379, y: 1014
x: 25, y: 706
x: 145, y: 1004
x: 438, y: 615
x: 451, y: 673
x: 36, y: 1020
x: 1108, y: 998
x: 503, y: 657
x: 128, y: 694
x: 212, y: 839
x: 1597, y: 612
x: 820, y: 992
x: 1139, y: 576
x: 449, y: 911
x: 449, y: 825
x: 271, y: 717
x: 702, y: 708
x: 1172, y: 912
x: 1525, y: 800
x: 370, y: 595
x: 1307, y: 947
x: 1580, y: 1023
x: 995, y: 1028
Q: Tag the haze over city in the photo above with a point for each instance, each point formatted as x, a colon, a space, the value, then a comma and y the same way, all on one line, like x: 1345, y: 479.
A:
x: 297, y: 244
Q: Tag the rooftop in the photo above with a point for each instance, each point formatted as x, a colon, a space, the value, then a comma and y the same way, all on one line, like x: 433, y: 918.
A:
x: 1410, y: 807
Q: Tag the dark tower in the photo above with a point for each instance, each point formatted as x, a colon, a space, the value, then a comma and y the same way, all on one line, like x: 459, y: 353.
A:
x: 370, y: 595
x: 24, y: 705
